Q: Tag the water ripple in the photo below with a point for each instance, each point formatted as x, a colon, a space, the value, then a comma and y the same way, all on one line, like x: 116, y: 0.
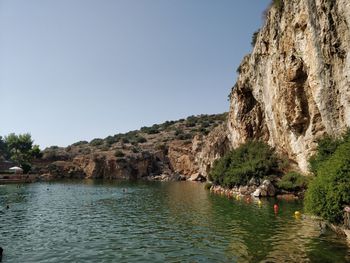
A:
x: 153, y: 222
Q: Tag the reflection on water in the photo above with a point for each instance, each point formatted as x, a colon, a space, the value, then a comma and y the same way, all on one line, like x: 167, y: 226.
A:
x: 94, y: 221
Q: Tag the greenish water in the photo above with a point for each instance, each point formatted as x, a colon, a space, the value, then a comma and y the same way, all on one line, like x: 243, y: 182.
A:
x: 154, y: 222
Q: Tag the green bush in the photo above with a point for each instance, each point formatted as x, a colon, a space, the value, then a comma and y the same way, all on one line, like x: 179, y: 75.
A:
x: 125, y: 140
x: 110, y: 140
x: 253, y: 159
x: 190, y: 124
x: 277, y: 3
x: 150, y: 130
x: 326, y: 147
x: 119, y: 153
x: 293, y: 181
x: 205, y: 124
x: 184, y: 136
x: 96, y: 142
x: 329, y: 192
x: 178, y: 132
x: 79, y: 143
x: 205, y: 132
x: 135, y: 149
x: 26, y: 167
x: 141, y: 140
x: 254, y: 38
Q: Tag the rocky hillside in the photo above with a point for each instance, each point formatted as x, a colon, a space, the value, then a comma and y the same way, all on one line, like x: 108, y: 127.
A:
x: 291, y: 90
x: 172, y: 150
x: 295, y: 85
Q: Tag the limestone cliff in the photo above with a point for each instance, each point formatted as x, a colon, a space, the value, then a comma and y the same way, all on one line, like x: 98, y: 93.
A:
x: 292, y: 89
x: 182, y: 149
x: 195, y: 158
x: 295, y: 85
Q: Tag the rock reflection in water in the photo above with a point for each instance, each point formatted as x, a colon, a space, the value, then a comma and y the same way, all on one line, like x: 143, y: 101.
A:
x: 96, y: 221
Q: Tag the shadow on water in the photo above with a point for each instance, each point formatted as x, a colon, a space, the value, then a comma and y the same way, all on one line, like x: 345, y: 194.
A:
x: 120, y: 221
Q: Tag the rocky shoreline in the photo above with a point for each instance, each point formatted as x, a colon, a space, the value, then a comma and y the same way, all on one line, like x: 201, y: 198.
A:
x: 266, y: 189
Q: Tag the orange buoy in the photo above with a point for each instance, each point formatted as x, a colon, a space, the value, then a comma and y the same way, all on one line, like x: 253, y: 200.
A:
x: 275, y: 208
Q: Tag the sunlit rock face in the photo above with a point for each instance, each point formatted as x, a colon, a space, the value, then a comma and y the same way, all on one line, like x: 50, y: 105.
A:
x: 295, y: 86
x: 198, y: 156
x: 292, y: 89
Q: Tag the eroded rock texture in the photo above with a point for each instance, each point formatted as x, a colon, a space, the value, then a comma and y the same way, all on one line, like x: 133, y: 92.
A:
x: 295, y: 86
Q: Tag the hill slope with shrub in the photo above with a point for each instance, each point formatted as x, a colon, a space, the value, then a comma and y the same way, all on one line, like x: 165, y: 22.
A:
x: 168, y: 149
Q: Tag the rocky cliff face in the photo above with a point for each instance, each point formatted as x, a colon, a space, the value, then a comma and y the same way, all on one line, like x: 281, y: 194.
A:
x: 197, y: 157
x: 292, y: 89
x: 295, y: 86
x: 105, y: 166
x: 178, y: 149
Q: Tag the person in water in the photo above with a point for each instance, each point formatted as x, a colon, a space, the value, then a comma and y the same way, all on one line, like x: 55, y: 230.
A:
x: 1, y: 250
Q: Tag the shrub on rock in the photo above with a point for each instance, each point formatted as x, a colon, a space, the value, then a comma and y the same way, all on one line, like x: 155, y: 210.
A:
x: 293, y: 181
x: 251, y: 160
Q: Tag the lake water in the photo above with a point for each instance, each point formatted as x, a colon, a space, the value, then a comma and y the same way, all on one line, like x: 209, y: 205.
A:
x: 91, y: 221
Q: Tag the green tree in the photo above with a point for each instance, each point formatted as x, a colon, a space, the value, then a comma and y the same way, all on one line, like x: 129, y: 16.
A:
x: 3, y: 149
x: 36, y: 152
x: 251, y: 160
x: 329, y: 192
x: 21, y: 150
x: 325, y: 149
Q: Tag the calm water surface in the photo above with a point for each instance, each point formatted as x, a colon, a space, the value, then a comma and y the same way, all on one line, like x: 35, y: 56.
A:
x: 154, y: 222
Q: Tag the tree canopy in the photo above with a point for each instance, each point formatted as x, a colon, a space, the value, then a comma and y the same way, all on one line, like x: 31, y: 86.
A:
x: 20, y: 149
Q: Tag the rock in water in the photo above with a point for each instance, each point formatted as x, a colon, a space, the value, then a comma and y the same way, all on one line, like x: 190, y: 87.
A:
x: 257, y: 193
x: 265, y: 189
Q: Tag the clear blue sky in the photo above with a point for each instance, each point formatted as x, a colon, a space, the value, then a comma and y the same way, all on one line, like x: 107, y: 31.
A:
x: 75, y: 70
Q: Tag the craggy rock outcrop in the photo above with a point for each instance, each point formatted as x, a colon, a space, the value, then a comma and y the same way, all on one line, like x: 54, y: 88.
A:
x: 295, y: 86
x: 194, y: 159
x: 293, y: 89
x: 182, y: 158
x: 216, y: 144
x: 169, y: 151
x: 95, y: 166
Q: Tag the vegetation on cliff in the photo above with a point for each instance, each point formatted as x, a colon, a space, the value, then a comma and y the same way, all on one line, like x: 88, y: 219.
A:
x: 329, y: 192
x: 161, y: 149
x: 254, y: 159
x: 152, y: 138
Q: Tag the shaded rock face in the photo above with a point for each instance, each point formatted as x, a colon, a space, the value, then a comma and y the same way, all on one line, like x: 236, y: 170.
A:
x: 295, y: 86
x: 215, y: 145
x: 182, y: 158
